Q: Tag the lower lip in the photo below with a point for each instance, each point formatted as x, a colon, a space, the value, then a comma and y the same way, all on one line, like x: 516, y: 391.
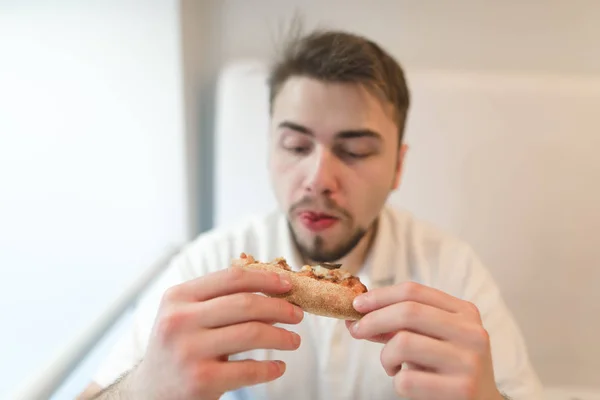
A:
x: 318, y: 224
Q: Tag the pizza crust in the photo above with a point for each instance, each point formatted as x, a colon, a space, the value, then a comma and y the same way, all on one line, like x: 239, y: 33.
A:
x: 316, y: 290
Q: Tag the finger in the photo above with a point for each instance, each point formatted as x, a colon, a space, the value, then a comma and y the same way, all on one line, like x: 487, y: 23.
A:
x: 244, y: 307
x: 422, y: 385
x: 229, y: 281
x: 231, y: 375
x: 224, y: 311
x: 408, y: 315
x: 237, y: 374
x: 407, y: 291
x: 243, y: 337
x: 422, y: 351
x: 383, y: 338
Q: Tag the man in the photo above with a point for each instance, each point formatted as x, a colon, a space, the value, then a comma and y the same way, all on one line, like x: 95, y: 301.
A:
x: 435, y: 324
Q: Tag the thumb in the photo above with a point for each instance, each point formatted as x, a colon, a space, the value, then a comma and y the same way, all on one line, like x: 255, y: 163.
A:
x: 382, y: 338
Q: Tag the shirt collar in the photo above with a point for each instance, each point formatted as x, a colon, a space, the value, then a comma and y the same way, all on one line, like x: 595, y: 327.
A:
x: 384, y: 265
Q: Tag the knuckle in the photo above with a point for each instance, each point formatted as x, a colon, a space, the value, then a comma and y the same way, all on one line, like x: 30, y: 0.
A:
x: 245, y: 302
x: 410, y: 289
x: 471, y: 362
x: 200, y: 378
x: 168, y: 324
x: 171, y: 294
x: 235, y: 274
x: 480, y: 337
x: 403, y: 341
x: 252, y: 331
x: 404, y: 383
x: 467, y: 389
x: 254, y: 374
x: 385, y: 357
x: 472, y: 309
x: 410, y: 310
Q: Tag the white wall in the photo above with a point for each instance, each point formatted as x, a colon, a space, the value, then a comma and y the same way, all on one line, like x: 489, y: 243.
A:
x: 544, y: 50
x: 531, y: 35
x: 92, y: 185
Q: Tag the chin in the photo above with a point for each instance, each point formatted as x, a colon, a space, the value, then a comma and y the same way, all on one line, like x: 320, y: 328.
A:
x: 327, y: 245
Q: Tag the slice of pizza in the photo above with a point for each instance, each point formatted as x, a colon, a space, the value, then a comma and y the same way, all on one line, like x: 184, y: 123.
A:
x: 324, y: 289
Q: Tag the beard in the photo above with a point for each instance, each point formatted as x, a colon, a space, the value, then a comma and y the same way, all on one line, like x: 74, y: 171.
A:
x: 317, y: 250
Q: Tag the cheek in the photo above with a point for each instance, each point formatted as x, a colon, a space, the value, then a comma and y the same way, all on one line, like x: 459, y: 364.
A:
x: 378, y: 191
x: 284, y: 179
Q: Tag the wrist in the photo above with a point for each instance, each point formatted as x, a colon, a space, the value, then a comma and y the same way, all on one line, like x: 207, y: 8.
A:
x: 134, y: 386
x: 123, y: 388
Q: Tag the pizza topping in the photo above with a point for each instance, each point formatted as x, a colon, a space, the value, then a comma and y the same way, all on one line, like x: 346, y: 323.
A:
x: 246, y: 259
x: 336, y: 276
x: 317, y: 271
x: 281, y: 263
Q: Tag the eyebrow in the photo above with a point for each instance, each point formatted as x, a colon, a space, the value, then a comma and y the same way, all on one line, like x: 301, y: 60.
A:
x: 347, y: 134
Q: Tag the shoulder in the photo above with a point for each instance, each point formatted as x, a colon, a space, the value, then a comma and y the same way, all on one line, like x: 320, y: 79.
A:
x: 433, y: 255
x: 422, y: 237
x: 405, y: 225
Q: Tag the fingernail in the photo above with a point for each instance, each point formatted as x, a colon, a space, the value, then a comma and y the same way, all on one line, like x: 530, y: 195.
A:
x: 359, y: 302
x: 280, y: 365
x: 298, y: 312
x: 285, y: 280
x: 354, y: 327
x: 295, y: 339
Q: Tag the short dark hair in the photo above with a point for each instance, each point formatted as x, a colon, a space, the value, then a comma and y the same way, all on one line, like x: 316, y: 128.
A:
x: 338, y: 56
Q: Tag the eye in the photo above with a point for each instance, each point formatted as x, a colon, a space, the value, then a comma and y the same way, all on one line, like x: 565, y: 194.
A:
x: 354, y: 152
x: 354, y: 149
x: 300, y: 150
x: 296, y: 144
x: 356, y: 155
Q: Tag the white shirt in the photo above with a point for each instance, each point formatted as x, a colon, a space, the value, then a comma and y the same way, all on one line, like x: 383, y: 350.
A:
x: 330, y: 364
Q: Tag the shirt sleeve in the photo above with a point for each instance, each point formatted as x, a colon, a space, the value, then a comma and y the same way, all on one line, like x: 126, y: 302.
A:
x: 130, y: 346
x: 513, y: 371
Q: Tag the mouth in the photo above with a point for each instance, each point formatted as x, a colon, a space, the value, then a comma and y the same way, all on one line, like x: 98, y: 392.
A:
x: 317, y: 221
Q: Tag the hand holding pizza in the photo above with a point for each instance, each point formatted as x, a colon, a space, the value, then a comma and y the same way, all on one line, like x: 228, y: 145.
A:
x: 435, y: 344
x: 201, y: 322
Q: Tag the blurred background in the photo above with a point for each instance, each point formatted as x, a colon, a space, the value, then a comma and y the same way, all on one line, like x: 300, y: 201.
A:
x: 124, y: 125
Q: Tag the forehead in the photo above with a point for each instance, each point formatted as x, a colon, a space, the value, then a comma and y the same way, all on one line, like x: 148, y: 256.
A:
x: 329, y: 107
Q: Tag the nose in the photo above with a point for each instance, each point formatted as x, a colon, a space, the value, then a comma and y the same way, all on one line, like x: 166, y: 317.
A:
x: 321, y: 173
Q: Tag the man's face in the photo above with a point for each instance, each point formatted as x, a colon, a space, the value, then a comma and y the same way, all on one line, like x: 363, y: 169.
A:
x: 334, y: 158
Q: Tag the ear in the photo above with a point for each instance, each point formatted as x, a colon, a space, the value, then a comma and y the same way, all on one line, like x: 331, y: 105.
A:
x: 400, y: 165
